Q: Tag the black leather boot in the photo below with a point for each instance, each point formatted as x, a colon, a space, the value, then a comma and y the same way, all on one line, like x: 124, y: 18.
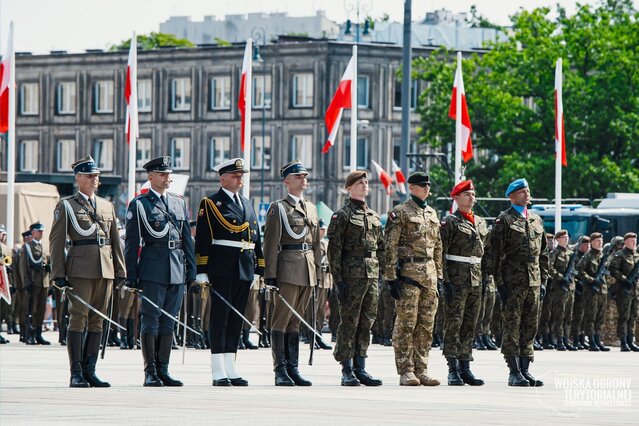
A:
x: 547, y: 342
x: 246, y: 333
x: 90, y: 359
x: 624, y: 344
x: 123, y: 337
x: 582, y: 341
x: 359, y: 368
x: 74, y: 349
x: 479, y: 343
x: 524, y: 363
x: 164, y: 346
x: 488, y: 342
x: 568, y: 345
x: 279, y: 359
x: 62, y: 337
x: 292, y: 359
x: 130, y: 333
x: 515, y: 377
x: 560, y: 344
x: 466, y: 375
x: 348, y: 378
x: 592, y: 347
x: 600, y: 344
x: 38, y: 337
x: 453, y: 373
x: 29, y: 335
x: 575, y: 342
x: 264, y: 342
x: 149, y: 354
x: 631, y: 343
x: 322, y: 345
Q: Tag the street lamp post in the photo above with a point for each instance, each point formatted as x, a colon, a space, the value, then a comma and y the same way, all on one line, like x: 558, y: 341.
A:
x: 357, y: 5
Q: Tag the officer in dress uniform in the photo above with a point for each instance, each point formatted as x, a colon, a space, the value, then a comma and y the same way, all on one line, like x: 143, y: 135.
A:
x: 159, y: 259
x: 228, y: 254
x: 293, y: 258
x: 86, y: 225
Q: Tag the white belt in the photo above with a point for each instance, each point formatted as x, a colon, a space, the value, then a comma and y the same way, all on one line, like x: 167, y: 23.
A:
x: 244, y: 245
x: 464, y: 259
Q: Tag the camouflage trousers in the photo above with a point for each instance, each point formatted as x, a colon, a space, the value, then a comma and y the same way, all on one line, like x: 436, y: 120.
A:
x: 357, y: 315
x: 520, y: 319
x: 385, y: 313
x: 333, y: 318
x: 628, y: 311
x: 596, y: 313
x: 485, y: 313
x: 577, y: 326
x: 440, y: 316
x: 545, y: 312
x: 462, y: 311
x: 560, y: 309
x: 413, y: 331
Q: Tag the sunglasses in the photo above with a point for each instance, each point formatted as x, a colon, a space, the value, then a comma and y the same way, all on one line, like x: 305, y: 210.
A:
x: 423, y: 185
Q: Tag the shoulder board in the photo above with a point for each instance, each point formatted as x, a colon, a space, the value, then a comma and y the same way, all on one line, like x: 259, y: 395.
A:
x: 68, y: 197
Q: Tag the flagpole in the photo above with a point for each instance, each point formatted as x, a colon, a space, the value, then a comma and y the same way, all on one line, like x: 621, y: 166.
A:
x: 133, y: 119
x: 558, y: 143
x: 354, y: 112
x: 246, y: 190
x: 458, y: 121
x: 11, y: 140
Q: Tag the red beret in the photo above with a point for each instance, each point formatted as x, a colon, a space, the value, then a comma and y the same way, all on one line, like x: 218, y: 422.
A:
x: 465, y: 185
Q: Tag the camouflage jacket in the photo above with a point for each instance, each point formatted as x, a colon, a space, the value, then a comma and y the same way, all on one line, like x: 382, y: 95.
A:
x: 460, y: 237
x: 517, y: 251
x: 355, y: 243
x: 559, y: 261
x: 326, y: 279
x: 412, y: 234
x: 587, y: 268
x: 621, y: 266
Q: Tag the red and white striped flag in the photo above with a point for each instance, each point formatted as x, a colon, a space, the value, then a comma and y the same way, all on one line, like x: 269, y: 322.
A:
x: 400, y: 179
x: 559, y: 115
x: 383, y: 177
x: 131, y: 93
x: 5, y: 76
x: 466, y: 129
x: 241, y: 102
x: 341, y: 99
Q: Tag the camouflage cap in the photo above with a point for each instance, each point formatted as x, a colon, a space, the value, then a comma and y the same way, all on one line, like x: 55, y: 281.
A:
x: 354, y: 177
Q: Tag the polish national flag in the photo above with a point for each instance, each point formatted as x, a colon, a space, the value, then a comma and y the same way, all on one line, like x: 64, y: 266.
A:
x: 400, y: 179
x: 341, y: 99
x: 241, y: 102
x: 383, y: 177
x: 559, y: 115
x: 5, y: 76
x: 131, y: 93
x: 466, y: 142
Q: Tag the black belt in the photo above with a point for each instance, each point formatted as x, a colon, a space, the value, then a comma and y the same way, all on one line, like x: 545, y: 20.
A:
x: 99, y: 242
x: 171, y: 245
x: 413, y: 260
x: 412, y: 282
x: 529, y: 259
x: 299, y: 246
x: 367, y: 253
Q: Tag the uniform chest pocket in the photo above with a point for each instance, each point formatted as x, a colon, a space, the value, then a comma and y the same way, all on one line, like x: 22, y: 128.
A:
x: 465, y: 229
x: 374, y: 223
x: 357, y: 221
x: 518, y: 228
x: 297, y: 223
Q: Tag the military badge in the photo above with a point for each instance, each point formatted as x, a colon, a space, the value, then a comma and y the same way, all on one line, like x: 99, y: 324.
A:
x: 239, y: 163
x: 129, y: 215
x: 156, y: 224
x: 218, y: 203
x: 392, y: 216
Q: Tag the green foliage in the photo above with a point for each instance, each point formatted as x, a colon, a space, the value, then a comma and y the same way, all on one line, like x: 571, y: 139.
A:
x: 510, y: 95
x: 154, y: 41
x: 222, y: 43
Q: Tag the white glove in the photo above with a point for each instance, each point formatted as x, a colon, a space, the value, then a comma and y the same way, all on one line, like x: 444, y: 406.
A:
x: 202, y: 278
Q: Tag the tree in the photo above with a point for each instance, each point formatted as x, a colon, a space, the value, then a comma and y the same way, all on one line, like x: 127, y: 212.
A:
x: 510, y: 94
x: 154, y: 41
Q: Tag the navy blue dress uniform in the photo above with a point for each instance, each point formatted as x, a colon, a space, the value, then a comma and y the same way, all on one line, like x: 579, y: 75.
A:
x: 228, y: 254
x: 159, y: 256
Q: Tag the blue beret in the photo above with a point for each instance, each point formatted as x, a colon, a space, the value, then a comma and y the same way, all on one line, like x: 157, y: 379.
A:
x: 516, y: 185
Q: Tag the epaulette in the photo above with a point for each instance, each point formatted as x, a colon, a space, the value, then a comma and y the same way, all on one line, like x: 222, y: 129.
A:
x: 68, y: 197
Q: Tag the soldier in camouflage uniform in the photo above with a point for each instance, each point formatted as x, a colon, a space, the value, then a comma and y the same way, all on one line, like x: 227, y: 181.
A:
x: 483, y: 330
x: 463, y: 236
x: 576, y: 322
x: 413, y: 267
x: 542, y: 340
x: 621, y: 266
x: 560, y: 288
x: 385, y: 315
x: 595, y: 291
x: 518, y: 258
x: 356, y: 254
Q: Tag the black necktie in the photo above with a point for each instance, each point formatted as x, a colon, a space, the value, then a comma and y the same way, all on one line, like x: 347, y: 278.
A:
x: 237, y: 201
x: 164, y: 201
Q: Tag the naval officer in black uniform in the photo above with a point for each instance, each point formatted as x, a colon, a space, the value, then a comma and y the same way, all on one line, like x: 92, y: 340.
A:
x: 228, y: 254
x: 160, y: 260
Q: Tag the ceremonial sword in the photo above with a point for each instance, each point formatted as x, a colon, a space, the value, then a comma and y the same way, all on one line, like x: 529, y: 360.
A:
x: 227, y: 303
x: 85, y: 303
x: 299, y: 317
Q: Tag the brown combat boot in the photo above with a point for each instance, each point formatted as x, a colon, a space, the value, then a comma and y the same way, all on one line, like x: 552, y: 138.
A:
x: 426, y: 380
x: 409, y: 379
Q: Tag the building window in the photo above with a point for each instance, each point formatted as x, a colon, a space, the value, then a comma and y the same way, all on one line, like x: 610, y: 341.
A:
x: 397, y: 102
x: 221, y: 93
x: 65, y: 98
x: 28, y: 156
x: 261, y: 145
x: 302, y: 90
x: 363, y: 92
x: 301, y: 149
x: 145, y: 95
x: 103, y: 154
x: 29, y: 98
x: 181, y: 153
x: 362, y: 153
x: 65, y: 154
x: 181, y: 94
x: 261, y: 91
x: 143, y: 152
x: 219, y: 150
x: 103, y: 97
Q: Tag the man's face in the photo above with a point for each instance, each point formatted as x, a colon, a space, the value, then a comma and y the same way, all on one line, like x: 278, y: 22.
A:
x: 520, y: 197
x: 584, y: 247
x: 232, y: 181
x: 37, y: 235
x: 359, y: 189
x: 630, y: 243
x: 421, y: 190
x: 88, y: 184
x: 160, y: 180
x: 562, y: 241
x: 597, y: 243
x: 465, y: 200
x: 296, y: 182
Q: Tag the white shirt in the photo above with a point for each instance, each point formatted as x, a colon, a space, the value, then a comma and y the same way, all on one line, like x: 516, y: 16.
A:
x: 232, y: 196
x: 296, y: 199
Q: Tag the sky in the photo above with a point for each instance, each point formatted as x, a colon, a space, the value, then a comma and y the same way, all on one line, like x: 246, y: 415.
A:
x: 76, y: 25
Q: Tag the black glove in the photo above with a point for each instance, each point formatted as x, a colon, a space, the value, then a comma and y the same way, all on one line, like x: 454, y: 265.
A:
x: 61, y: 282
x: 503, y: 293
x: 542, y: 292
x: 342, y: 292
x: 118, y: 282
x: 47, y: 268
x: 133, y: 284
x: 484, y: 285
x: 449, y: 292
x: 395, y: 289
x: 597, y: 283
x: 271, y: 282
x: 440, y: 287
